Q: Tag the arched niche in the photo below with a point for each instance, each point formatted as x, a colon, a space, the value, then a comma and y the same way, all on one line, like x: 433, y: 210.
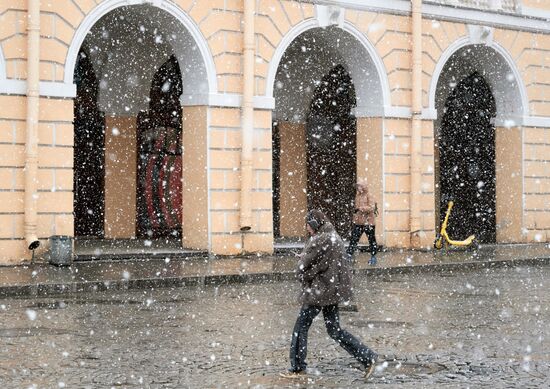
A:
x: 305, y: 56
x: 179, y: 29
x: 127, y: 45
x: 494, y: 65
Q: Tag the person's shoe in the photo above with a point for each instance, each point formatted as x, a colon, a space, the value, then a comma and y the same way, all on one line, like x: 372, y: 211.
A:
x: 372, y: 260
x: 348, y: 307
x: 369, y: 370
x: 291, y: 374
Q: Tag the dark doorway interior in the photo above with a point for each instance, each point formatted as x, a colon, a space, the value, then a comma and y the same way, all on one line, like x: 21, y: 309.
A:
x: 467, y: 160
x: 89, y: 152
x: 159, y: 165
x: 332, y: 149
x: 276, y: 179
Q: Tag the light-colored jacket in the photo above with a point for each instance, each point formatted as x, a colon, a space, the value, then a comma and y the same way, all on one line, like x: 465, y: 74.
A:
x: 364, y: 206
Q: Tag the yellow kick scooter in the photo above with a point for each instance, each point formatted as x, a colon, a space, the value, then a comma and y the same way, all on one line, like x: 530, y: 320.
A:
x: 443, y: 237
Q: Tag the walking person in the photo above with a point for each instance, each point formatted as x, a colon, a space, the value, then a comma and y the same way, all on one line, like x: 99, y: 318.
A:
x: 325, y: 273
x: 364, y: 220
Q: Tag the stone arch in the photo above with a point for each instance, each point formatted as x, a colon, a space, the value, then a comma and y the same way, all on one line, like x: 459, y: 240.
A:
x: 496, y: 66
x: 510, y: 107
x: 292, y: 81
x: 202, y: 56
x: 169, y: 31
x: 359, y: 76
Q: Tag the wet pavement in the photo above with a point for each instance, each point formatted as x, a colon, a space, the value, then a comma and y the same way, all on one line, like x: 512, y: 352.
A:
x: 463, y: 328
x: 167, y: 269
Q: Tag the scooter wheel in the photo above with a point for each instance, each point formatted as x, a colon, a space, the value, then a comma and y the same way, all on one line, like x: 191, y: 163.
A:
x: 474, y: 246
x: 438, y: 243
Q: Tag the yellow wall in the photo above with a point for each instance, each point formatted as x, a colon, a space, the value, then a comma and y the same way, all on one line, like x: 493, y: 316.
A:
x: 120, y: 177
x: 194, y: 176
x: 536, y: 215
x: 509, y: 179
x: 54, y: 177
x: 397, y: 187
x: 537, y: 4
x: 369, y: 164
x: 221, y: 28
x: 293, y: 179
x: 224, y: 126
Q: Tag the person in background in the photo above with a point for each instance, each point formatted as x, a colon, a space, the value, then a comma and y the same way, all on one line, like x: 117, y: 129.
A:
x: 325, y: 274
x: 364, y: 221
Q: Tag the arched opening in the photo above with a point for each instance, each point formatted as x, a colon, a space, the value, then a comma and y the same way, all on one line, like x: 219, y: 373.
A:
x: 467, y: 160
x: 478, y: 143
x: 320, y: 148
x: 332, y: 149
x: 140, y: 62
x: 159, y: 192
x: 89, y: 152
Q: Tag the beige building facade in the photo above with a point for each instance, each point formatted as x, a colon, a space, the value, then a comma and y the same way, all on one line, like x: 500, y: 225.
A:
x: 81, y: 83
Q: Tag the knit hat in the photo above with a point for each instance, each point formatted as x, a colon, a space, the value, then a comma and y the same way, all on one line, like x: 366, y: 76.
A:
x: 316, y: 219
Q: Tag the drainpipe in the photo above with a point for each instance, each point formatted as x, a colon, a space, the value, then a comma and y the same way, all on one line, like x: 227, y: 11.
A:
x: 247, y: 117
x: 31, y: 141
x: 416, y: 131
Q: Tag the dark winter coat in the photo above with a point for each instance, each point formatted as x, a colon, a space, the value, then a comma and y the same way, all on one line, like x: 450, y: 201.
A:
x: 324, y: 269
x: 365, y: 206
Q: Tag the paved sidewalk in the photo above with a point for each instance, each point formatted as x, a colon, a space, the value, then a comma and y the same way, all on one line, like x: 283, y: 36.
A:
x: 86, y: 276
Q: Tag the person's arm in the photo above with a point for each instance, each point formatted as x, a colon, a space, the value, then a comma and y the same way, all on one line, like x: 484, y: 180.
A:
x: 306, y: 257
x: 366, y: 206
x: 312, y: 262
x: 371, y: 204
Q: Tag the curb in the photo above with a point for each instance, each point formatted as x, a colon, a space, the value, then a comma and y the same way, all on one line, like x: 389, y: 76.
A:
x: 56, y: 289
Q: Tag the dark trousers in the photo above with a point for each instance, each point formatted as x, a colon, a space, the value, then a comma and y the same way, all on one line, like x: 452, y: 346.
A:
x: 356, y: 233
x: 298, y: 347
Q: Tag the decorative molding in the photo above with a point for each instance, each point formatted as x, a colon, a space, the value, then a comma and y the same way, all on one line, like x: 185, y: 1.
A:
x: 381, y: 71
x: 394, y: 6
x: 401, y: 112
x: 225, y: 100
x: 536, y: 121
x: 229, y: 100
x: 68, y: 91
x: 480, y: 35
x: 194, y: 100
x: 397, y: 112
x: 429, y: 114
x: 309, y: 24
x: 535, y: 13
x: 457, y: 45
x: 46, y: 88
x: 509, y: 121
x: 109, y: 5
x: 494, y: 19
x: 57, y: 89
x: 368, y: 111
x: 329, y: 15
x: 13, y: 87
x: 529, y: 19
x: 263, y: 102
x: 288, y: 38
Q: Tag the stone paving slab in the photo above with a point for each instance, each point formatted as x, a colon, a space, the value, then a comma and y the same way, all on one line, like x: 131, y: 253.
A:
x: 438, y: 329
x: 44, y: 279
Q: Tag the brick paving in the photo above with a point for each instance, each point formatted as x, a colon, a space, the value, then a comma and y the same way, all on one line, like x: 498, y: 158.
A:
x: 468, y: 328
